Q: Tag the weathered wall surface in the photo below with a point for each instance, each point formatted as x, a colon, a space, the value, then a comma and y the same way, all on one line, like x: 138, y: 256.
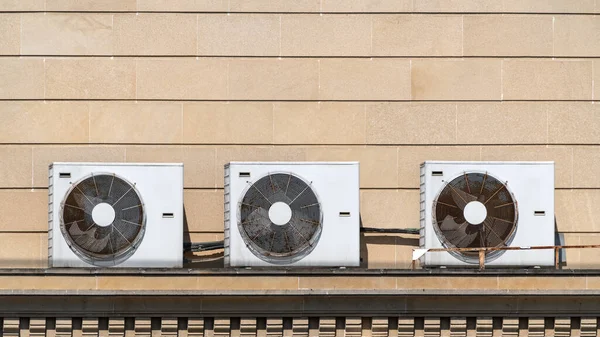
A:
x: 389, y: 83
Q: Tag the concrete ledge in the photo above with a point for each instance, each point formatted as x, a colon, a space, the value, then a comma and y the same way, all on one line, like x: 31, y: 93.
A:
x: 296, y: 271
x: 295, y: 293
x: 299, y: 306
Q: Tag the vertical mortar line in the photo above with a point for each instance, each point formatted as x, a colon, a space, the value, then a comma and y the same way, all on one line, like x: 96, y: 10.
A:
x: 32, y: 172
x: 410, y: 79
x: 182, y: 135
x: 501, y: 80
x: 21, y: 34
x: 593, y: 82
x: 197, y: 35
x: 44, y: 74
x: 456, y: 124
x: 228, y: 6
x: 272, y: 123
x: 89, y: 122
x: 43, y: 252
x: 547, y: 126
x: 553, y: 19
x: 371, y: 48
x: 572, y: 167
x: 462, y: 35
x: 136, y: 77
x: 216, y: 167
x: 228, y: 75
x: 319, y: 76
x: 366, y: 121
x: 398, y: 166
x: 280, y: 33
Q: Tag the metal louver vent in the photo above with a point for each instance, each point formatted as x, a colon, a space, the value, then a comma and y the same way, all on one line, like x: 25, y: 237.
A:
x: 103, y: 219
x: 280, y: 218
x: 475, y: 210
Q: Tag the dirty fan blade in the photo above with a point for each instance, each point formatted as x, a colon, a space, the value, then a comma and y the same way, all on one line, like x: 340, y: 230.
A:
x: 461, y: 198
x: 456, y: 232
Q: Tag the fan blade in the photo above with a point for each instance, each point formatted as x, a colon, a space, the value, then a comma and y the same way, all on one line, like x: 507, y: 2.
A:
x: 456, y: 232
x: 82, y: 203
x: 461, y: 198
x: 482, y: 237
x: 302, y: 229
x: 260, y: 215
x: 496, y: 231
x: 257, y: 224
x: 88, y: 241
x: 75, y: 230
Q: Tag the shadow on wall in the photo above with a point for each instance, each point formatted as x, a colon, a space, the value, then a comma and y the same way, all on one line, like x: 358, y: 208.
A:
x: 378, y: 251
x: 559, y: 240
x: 202, y: 260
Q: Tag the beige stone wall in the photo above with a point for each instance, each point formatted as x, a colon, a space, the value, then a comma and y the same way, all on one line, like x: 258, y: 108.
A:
x: 389, y: 83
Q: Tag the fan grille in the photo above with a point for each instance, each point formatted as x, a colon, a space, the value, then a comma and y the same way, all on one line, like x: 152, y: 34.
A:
x: 450, y: 219
x: 100, y: 243
x: 280, y: 242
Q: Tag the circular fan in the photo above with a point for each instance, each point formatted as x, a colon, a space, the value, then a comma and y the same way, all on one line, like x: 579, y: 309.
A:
x: 103, y: 219
x: 475, y: 210
x: 280, y: 218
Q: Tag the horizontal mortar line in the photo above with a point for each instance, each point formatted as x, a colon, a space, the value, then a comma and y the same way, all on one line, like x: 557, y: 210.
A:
x: 214, y: 232
x: 458, y: 57
x: 369, y: 145
x: 290, y: 100
x: 219, y: 189
x: 213, y: 189
x: 307, y: 272
x: 301, y: 13
x: 46, y: 232
x: 216, y: 189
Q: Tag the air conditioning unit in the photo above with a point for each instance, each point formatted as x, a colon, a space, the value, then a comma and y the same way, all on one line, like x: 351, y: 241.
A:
x: 292, y: 214
x: 115, y: 215
x: 487, y: 204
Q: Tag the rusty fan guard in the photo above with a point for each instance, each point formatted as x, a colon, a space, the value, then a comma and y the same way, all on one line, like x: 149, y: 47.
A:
x: 475, y: 210
x: 103, y: 219
x: 280, y: 218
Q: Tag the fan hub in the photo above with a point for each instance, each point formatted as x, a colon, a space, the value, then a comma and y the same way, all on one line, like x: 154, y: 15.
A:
x: 475, y: 212
x: 280, y: 213
x: 103, y: 214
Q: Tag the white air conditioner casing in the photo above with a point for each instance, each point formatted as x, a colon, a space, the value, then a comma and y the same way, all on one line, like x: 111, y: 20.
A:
x: 530, y: 184
x: 131, y: 215
x: 284, y: 226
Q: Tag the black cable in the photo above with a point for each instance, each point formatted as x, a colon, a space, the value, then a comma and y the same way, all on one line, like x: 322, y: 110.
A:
x: 203, y: 246
x: 390, y: 230
x: 214, y: 245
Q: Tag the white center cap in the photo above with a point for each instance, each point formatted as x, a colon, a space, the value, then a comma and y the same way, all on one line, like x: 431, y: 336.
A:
x: 475, y: 212
x: 280, y: 213
x: 103, y: 214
